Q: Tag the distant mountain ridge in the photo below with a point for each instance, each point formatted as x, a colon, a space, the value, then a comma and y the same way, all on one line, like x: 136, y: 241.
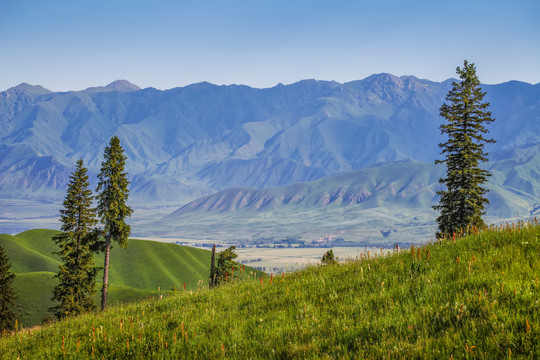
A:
x: 192, y: 141
x: 186, y: 142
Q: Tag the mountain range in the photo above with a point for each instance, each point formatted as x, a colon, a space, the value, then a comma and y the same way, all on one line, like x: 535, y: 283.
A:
x: 363, y: 146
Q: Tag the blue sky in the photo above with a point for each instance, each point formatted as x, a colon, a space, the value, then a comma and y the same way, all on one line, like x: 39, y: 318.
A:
x: 75, y: 44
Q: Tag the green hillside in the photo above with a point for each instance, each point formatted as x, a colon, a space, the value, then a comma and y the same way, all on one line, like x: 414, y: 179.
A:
x: 474, y: 297
x: 35, y: 291
x: 144, y: 269
x: 31, y: 251
x: 384, y: 204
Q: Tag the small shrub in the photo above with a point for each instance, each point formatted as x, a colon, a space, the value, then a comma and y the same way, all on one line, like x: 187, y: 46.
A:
x: 328, y: 258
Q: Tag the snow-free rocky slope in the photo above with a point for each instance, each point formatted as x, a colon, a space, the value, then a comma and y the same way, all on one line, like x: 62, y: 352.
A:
x: 189, y: 142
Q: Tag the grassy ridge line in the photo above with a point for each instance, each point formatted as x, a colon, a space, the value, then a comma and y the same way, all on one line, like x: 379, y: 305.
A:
x: 147, y: 265
x: 150, y: 264
x: 31, y: 251
x: 477, y: 297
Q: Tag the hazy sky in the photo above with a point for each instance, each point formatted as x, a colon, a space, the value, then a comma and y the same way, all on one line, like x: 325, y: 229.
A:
x: 75, y: 44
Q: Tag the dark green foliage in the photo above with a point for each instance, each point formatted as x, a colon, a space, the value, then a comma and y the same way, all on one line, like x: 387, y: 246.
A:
x: 225, y: 266
x: 463, y: 202
x: 112, y: 208
x: 77, y: 273
x: 328, y: 257
x: 7, y: 293
x: 212, y: 266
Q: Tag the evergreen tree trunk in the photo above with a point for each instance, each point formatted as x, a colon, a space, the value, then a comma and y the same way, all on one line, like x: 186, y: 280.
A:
x: 105, y: 288
x: 212, y: 266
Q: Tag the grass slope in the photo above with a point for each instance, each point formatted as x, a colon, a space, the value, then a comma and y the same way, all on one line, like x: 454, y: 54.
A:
x: 31, y: 251
x: 35, y: 292
x: 150, y: 264
x: 475, y: 297
x: 144, y: 269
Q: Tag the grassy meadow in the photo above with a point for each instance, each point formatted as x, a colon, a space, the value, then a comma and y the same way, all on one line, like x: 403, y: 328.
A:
x: 145, y: 269
x: 476, y: 297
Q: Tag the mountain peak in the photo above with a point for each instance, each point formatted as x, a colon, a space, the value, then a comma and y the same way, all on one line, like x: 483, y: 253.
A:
x: 383, y: 77
x: 30, y: 89
x: 123, y: 86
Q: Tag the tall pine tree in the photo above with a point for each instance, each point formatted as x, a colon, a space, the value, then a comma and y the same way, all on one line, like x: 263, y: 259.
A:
x: 462, y: 204
x: 77, y: 273
x: 112, y: 208
x: 7, y: 294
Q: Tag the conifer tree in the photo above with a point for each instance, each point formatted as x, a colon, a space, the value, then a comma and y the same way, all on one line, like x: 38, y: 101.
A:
x: 462, y: 203
x: 328, y: 258
x: 112, y: 209
x: 7, y: 294
x: 225, y: 265
x: 77, y: 273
